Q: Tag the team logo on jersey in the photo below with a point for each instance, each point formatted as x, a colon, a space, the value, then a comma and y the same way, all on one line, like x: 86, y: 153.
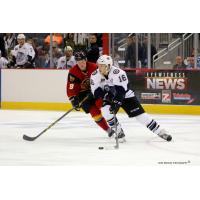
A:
x: 85, y: 85
x: 95, y: 72
x: 107, y: 88
x: 102, y: 80
x: 116, y: 71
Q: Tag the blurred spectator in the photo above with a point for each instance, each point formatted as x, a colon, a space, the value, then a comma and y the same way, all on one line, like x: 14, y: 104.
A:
x: 46, y: 61
x: 69, y: 40
x: 116, y: 58
x: 99, y: 39
x: 192, y: 52
x: 44, y: 56
x: 10, y: 41
x: 130, y: 57
x: 144, y: 52
x: 56, y: 53
x: 179, y: 63
x: 68, y: 60
x: 198, y: 58
x: 190, y: 63
x: 40, y: 59
x: 57, y: 38
x: 93, y: 50
x: 3, y: 61
x: 23, y: 54
x: 2, y: 47
x: 198, y: 62
x: 32, y: 43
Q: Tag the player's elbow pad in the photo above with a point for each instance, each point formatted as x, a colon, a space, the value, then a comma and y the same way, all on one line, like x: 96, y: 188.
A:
x: 120, y: 93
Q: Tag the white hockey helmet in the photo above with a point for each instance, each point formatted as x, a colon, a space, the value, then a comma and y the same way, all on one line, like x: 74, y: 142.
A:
x: 68, y: 48
x: 105, y: 60
x: 21, y: 36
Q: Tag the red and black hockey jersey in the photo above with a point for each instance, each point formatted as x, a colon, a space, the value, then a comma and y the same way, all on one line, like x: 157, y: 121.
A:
x: 79, y: 81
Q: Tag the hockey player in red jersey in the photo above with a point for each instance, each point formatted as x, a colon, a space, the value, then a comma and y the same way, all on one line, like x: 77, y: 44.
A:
x: 78, y: 87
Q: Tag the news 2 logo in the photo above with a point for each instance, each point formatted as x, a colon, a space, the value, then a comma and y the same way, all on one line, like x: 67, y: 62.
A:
x: 166, y: 96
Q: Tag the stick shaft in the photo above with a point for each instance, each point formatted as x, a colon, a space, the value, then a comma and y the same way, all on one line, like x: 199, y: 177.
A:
x: 116, y: 138
x: 55, y: 122
x: 25, y: 137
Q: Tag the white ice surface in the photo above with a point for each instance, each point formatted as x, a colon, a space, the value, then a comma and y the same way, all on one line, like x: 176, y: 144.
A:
x: 76, y: 138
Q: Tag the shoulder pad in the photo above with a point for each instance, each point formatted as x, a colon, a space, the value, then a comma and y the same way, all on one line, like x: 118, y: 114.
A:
x: 94, y: 72
x: 116, y: 71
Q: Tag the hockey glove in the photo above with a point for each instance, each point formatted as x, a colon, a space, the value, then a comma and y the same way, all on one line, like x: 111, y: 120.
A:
x: 90, y: 96
x: 75, y: 103
x: 29, y: 58
x: 28, y: 65
x: 114, y: 107
x: 108, y: 97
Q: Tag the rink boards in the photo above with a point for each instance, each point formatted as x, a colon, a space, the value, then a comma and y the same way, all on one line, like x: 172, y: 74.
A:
x: 46, y: 90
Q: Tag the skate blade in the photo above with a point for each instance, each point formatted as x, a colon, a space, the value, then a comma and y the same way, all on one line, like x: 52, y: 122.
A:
x: 121, y: 140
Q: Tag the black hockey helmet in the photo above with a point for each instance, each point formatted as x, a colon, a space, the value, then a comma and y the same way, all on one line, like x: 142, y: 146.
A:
x: 80, y: 55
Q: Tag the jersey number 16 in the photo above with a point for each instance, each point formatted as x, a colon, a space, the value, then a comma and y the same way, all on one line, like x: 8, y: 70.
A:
x: 122, y: 78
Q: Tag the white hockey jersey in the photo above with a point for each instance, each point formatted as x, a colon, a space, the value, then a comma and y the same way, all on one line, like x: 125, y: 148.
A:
x: 21, y: 53
x: 116, y: 77
x: 64, y: 64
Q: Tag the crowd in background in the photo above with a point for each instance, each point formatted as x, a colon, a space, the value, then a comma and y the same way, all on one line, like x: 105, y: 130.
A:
x: 187, y: 63
x: 32, y: 50
x: 130, y: 55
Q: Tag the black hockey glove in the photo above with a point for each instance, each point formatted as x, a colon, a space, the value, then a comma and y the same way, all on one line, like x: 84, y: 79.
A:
x: 115, y: 105
x: 28, y: 65
x: 108, y: 97
x: 90, y: 96
x: 29, y: 58
x: 75, y: 103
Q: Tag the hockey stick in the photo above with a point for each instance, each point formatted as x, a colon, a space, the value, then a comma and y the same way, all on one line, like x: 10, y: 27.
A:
x: 28, y: 138
x: 116, y: 138
x: 116, y: 146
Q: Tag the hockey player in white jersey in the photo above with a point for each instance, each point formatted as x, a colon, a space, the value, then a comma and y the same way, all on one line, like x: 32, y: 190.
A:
x: 23, y: 54
x: 68, y: 60
x: 111, y: 84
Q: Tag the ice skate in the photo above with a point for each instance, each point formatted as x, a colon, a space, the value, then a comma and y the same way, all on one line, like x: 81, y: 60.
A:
x: 111, y: 133
x: 163, y: 134
x: 121, y: 136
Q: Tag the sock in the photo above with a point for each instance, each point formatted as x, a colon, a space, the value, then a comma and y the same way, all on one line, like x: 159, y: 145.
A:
x: 111, y: 123
x: 110, y: 118
x: 103, y: 124
x: 98, y: 118
x: 150, y: 123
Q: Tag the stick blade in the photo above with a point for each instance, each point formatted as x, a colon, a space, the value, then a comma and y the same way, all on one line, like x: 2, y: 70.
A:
x: 116, y: 146
x: 25, y: 137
